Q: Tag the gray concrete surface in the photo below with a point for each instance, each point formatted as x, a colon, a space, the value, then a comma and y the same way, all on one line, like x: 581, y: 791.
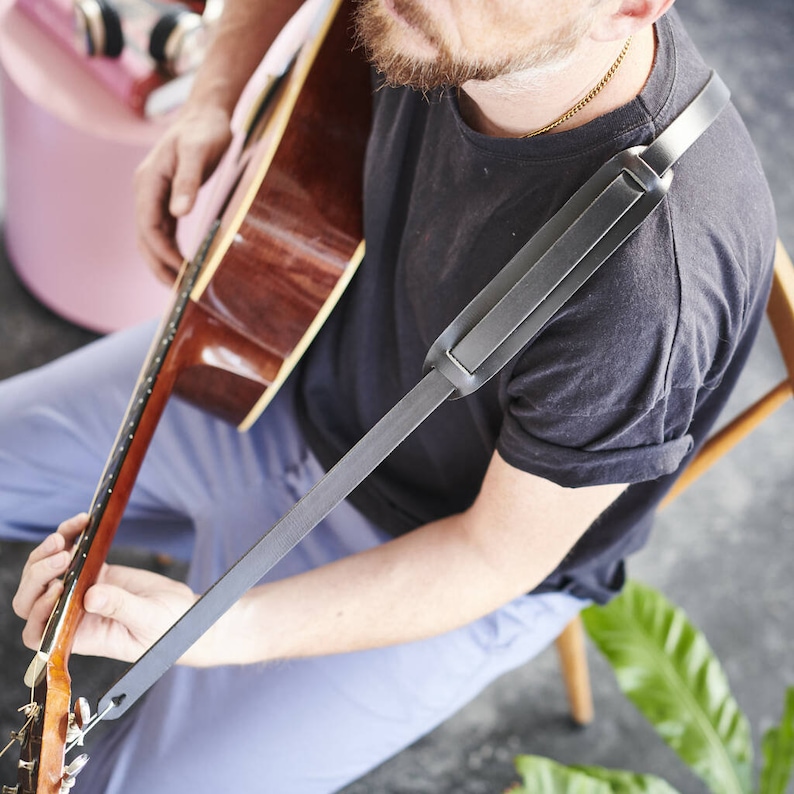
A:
x: 723, y: 551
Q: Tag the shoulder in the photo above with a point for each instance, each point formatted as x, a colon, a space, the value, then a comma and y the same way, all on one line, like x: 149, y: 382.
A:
x: 610, y: 385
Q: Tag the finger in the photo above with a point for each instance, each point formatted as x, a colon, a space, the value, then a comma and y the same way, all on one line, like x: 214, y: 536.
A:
x: 67, y: 532
x: 40, y: 615
x: 161, y: 254
x: 139, y: 581
x: 37, y: 577
x: 144, y: 602
x: 128, y: 622
x: 156, y: 227
x: 49, y: 547
x: 165, y: 273
x: 48, y: 561
x: 197, y: 157
x: 187, y: 181
x: 72, y: 528
x: 52, y: 544
x: 182, y: 199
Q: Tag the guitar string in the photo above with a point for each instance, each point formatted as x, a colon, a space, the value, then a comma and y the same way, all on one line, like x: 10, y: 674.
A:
x: 31, y: 707
x: 37, y: 659
x: 92, y: 723
x: 32, y: 712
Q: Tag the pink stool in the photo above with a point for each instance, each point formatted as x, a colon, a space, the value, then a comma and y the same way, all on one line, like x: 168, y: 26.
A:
x: 71, y: 149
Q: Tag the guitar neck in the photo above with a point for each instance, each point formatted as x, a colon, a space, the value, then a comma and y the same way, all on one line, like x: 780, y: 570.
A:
x: 154, y: 387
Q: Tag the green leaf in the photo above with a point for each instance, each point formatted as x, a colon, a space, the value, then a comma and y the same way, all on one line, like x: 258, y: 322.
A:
x: 778, y: 749
x: 544, y: 776
x: 628, y: 782
x: 665, y: 666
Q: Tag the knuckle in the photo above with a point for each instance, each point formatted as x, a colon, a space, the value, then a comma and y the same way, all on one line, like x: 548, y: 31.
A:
x: 30, y: 638
x: 18, y: 605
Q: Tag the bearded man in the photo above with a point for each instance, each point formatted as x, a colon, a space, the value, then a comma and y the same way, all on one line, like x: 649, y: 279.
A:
x: 470, y: 549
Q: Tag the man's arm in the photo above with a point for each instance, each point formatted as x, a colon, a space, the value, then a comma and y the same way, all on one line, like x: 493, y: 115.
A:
x: 168, y: 180
x: 432, y: 580
x: 429, y: 581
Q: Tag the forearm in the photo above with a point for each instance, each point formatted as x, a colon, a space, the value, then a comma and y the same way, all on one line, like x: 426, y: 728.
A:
x: 430, y: 581
x: 425, y: 583
x: 242, y: 36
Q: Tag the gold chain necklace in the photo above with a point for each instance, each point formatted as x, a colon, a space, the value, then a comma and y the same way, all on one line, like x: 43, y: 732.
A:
x: 582, y: 102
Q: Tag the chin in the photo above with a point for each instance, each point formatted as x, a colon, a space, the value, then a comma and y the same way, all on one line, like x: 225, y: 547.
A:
x: 387, y: 33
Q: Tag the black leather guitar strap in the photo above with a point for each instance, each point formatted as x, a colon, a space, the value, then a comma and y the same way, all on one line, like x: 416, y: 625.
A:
x: 487, y: 334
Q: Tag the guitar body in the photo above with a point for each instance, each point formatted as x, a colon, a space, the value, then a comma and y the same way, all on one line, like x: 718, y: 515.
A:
x: 290, y: 234
x: 286, y: 240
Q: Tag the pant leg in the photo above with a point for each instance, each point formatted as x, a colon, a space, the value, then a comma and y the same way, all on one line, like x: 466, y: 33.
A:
x: 307, y: 726
x: 58, y: 424
x: 57, y: 427
x: 304, y: 726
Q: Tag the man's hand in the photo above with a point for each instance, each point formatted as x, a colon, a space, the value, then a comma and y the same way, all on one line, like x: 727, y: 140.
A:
x: 127, y: 610
x: 168, y: 180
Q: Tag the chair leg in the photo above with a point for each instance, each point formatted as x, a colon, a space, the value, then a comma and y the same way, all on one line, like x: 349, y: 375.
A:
x: 573, y: 660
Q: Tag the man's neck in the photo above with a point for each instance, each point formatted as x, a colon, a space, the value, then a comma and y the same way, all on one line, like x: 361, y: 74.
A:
x: 512, y: 107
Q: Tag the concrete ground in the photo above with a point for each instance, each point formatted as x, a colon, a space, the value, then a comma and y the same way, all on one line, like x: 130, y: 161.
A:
x: 723, y: 551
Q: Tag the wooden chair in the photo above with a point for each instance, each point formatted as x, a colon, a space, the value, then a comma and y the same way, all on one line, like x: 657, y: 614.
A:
x: 780, y: 311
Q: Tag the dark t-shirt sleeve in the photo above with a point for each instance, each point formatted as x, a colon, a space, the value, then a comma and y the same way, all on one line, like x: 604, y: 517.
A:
x: 599, y: 396
x: 616, y: 460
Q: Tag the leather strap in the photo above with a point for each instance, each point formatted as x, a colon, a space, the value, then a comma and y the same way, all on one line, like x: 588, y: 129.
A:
x: 495, y: 326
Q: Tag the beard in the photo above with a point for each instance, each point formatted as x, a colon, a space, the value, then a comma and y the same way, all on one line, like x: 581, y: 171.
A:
x: 383, y: 40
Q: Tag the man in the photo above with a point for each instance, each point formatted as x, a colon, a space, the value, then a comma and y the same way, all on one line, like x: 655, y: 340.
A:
x: 474, y: 544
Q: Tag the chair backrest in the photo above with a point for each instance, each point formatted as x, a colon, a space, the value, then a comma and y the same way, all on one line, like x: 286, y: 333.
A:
x: 780, y: 311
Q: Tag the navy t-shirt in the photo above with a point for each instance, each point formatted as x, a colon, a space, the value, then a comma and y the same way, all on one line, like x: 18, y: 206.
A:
x: 620, y: 386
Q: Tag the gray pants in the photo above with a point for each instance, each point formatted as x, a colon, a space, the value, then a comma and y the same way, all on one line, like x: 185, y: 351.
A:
x: 207, y: 493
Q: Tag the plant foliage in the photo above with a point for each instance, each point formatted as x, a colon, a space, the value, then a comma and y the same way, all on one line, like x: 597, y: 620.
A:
x: 665, y: 666
x: 778, y: 750
x: 540, y: 774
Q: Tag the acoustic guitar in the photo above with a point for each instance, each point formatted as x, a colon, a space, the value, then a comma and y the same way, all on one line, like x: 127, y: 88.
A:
x: 286, y: 240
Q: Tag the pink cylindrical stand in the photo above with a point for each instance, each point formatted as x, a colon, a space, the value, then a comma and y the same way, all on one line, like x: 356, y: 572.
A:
x: 71, y: 149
